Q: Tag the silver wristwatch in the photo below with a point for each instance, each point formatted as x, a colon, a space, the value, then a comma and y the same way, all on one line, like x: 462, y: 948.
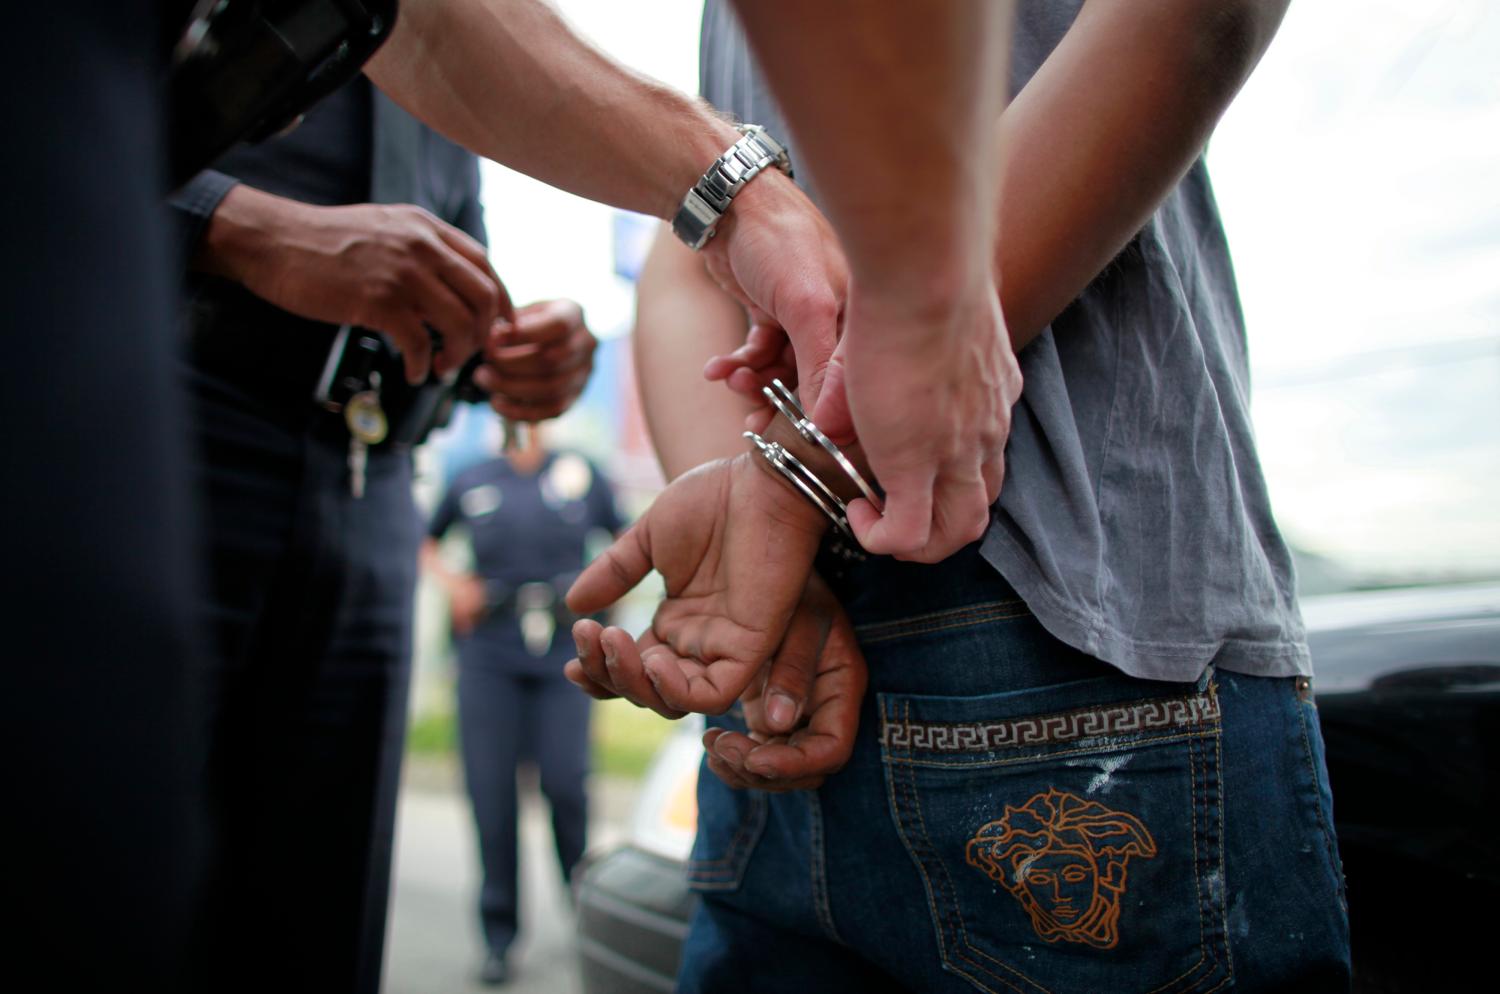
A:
x: 706, y: 202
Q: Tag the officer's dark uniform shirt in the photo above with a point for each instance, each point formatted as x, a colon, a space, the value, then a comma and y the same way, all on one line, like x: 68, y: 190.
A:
x: 355, y: 146
x: 525, y: 529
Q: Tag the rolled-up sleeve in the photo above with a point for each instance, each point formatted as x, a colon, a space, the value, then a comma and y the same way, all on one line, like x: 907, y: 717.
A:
x: 191, y: 206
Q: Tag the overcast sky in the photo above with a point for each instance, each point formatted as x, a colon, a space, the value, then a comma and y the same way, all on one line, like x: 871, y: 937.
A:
x: 1359, y: 177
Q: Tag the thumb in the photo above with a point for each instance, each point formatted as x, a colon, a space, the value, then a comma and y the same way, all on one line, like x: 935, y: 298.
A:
x: 830, y: 405
x: 613, y: 573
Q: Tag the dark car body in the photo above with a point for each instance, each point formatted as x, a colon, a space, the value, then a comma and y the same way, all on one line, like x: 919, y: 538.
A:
x: 1408, y: 690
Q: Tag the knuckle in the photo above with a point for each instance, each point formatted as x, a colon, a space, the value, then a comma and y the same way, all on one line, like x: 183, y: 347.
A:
x: 818, y: 308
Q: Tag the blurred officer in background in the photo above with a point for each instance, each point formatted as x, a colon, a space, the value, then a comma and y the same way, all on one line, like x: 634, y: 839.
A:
x: 305, y: 424
x: 529, y: 518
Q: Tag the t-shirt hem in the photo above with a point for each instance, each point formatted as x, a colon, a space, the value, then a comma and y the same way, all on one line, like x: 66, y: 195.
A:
x: 1178, y: 662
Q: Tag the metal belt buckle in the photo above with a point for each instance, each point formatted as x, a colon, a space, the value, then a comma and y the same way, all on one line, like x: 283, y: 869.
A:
x: 534, y: 609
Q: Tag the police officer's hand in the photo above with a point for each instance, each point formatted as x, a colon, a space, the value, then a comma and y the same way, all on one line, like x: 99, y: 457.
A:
x: 777, y: 255
x: 734, y: 546
x: 467, y: 599
x: 536, y: 366
x: 395, y: 269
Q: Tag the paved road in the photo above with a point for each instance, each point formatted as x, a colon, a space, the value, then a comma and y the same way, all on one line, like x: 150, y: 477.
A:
x: 434, y: 945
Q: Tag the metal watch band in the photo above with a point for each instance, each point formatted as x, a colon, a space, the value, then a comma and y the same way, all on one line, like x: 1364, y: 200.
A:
x: 706, y: 202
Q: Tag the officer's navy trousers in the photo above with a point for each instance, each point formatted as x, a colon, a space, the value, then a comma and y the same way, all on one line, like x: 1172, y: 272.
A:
x: 310, y: 598
x: 505, y: 716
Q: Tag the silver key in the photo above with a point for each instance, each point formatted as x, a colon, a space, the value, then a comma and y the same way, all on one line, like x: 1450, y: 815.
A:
x: 359, y: 459
x: 512, y: 435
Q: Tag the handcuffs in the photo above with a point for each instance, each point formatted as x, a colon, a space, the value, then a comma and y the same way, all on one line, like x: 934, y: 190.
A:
x: 821, y: 493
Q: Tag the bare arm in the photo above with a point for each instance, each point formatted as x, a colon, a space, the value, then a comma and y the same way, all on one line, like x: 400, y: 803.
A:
x: 893, y: 105
x: 682, y: 319
x: 511, y: 80
x: 466, y: 593
x: 1105, y: 130
x: 391, y: 267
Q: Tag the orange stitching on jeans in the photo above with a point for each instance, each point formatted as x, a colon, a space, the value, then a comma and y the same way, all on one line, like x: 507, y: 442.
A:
x: 1054, y: 843
x: 1223, y: 864
x: 931, y: 629
x: 873, y: 631
x: 1193, y: 823
x: 1312, y: 769
x: 709, y: 870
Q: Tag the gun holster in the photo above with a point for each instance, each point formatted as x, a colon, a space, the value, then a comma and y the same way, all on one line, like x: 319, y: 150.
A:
x: 244, y: 70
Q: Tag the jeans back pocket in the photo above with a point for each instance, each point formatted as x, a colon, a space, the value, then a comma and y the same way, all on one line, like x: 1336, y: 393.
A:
x: 730, y: 824
x: 1066, y: 849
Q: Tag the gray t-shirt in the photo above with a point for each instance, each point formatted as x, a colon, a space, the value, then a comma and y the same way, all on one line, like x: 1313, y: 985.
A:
x: 1134, y: 519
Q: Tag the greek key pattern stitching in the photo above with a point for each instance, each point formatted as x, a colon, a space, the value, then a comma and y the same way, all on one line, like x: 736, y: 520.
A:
x: 1121, y: 719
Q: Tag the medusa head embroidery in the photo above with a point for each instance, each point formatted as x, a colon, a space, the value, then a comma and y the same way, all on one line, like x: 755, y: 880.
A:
x: 1064, y: 858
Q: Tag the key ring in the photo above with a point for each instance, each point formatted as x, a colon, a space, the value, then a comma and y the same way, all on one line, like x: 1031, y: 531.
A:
x: 786, y: 403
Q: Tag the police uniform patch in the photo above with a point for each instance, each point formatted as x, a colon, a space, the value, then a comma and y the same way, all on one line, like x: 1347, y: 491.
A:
x: 567, y: 480
x: 479, y: 501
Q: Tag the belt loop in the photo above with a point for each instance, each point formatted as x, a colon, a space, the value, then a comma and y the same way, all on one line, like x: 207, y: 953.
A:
x: 1206, y: 679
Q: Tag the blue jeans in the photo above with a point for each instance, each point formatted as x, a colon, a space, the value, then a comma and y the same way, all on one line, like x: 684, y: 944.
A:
x: 1020, y: 817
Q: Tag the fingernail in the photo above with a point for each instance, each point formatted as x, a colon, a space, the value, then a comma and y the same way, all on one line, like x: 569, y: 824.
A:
x: 730, y: 754
x: 759, y: 766
x: 583, y: 649
x: 781, y: 710
x: 609, y: 657
x: 652, y: 676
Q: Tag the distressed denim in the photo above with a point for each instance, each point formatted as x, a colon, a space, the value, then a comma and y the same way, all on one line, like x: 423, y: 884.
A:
x: 1020, y: 817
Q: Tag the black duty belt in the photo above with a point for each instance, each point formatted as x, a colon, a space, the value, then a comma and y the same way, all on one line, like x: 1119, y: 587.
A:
x: 364, y: 380
x: 538, y: 608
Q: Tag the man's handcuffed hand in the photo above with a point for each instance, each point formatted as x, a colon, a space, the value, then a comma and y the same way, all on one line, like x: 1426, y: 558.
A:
x: 801, y: 709
x: 734, y: 547
x: 777, y: 255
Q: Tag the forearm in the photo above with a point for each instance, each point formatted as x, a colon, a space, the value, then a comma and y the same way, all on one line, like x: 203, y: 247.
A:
x: 432, y: 563
x: 193, y: 207
x: 893, y: 105
x: 1104, y: 132
x: 510, y: 80
x: 245, y: 225
x: 682, y: 320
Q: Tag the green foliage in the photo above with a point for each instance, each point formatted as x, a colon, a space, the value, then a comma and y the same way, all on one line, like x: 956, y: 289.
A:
x: 624, y: 737
x: 432, y: 734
